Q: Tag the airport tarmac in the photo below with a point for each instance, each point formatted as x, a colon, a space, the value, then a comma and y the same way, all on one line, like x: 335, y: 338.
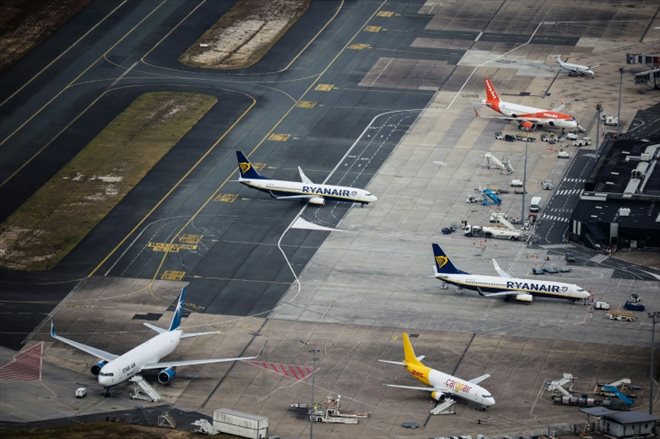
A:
x: 353, y: 292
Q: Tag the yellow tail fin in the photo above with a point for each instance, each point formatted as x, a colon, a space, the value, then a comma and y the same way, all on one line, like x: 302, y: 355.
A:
x: 408, y: 352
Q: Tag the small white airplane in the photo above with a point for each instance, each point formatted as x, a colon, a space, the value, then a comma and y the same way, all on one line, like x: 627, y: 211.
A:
x: 528, y: 118
x: 576, y: 69
x: 443, y: 387
x: 115, y: 369
x: 305, y: 190
x: 505, y: 285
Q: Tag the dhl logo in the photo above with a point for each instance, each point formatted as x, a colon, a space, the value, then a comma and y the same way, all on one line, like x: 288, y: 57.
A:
x: 245, y: 167
x: 441, y: 261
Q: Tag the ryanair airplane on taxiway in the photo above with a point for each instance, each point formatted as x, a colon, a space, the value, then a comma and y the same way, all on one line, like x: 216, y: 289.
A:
x: 522, y: 290
x: 305, y: 190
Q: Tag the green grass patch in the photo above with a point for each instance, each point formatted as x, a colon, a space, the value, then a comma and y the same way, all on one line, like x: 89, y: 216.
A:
x: 66, y: 208
x: 244, y: 34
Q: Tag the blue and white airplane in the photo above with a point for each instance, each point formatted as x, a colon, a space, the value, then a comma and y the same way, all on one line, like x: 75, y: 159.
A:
x: 304, y: 190
x: 522, y: 290
x: 576, y: 69
x: 115, y: 369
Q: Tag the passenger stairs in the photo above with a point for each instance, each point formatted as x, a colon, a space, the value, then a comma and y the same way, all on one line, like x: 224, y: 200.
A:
x: 149, y: 394
x: 444, y: 408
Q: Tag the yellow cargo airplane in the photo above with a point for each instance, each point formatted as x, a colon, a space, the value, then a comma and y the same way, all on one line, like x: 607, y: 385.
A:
x: 443, y: 387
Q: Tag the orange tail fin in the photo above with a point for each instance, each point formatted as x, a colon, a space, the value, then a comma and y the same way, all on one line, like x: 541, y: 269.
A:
x: 491, y: 95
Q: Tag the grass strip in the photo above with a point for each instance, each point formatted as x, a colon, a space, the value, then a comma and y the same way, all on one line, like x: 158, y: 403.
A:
x: 49, y: 224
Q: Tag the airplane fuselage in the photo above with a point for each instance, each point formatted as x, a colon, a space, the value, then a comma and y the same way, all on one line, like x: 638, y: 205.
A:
x: 454, y: 386
x: 285, y: 188
x: 538, y: 116
x: 131, y: 363
x: 494, y: 284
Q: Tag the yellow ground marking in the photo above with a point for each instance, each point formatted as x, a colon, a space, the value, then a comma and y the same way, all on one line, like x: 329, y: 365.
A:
x: 306, y: 104
x: 170, y: 247
x: 226, y: 198
x: 263, y: 139
x: 325, y: 87
x: 359, y: 46
x: 189, y: 238
x: 173, y: 275
x: 385, y: 14
x: 176, y: 185
x: 278, y: 137
x: 372, y: 29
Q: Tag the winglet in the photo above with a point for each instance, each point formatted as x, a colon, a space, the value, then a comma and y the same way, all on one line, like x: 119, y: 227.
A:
x: 442, y: 262
x: 245, y: 168
x: 52, y: 328
x: 178, y: 311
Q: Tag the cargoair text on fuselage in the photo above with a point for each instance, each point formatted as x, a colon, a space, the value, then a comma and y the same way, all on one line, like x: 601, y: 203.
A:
x: 528, y: 118
x: 441, y: 385
x: 522, y: 290
x: 576, y: 69
x: 303, y: 190
x: 114, y: 369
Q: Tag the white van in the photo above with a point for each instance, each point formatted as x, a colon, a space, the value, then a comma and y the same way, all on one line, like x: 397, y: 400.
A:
x: 535, y: 204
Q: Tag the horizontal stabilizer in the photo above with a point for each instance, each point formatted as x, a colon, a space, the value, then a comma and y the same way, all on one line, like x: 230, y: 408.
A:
x: 399, y: 363
x: 477, y: 380
x: 154, y: 327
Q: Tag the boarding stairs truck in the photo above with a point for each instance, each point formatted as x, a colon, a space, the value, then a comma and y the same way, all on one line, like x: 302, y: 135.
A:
x: 506, y: 232
x: 150, y: 394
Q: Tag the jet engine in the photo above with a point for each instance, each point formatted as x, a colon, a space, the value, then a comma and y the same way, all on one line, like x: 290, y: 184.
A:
x: 317, y: 201
x: 524, y: 297
x: 166, y: 375
x: 526, y: 125
x: 438, y: 396
x: 96, y: 368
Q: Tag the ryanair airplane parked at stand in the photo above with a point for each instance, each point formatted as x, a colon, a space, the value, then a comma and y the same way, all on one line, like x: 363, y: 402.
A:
x: 522, y: 290
x: 305, y: 190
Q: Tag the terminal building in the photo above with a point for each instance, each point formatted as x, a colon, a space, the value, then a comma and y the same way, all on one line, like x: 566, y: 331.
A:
x: 620, y: 205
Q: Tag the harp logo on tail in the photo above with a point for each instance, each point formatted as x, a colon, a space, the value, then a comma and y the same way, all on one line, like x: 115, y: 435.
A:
x: 441, y: 261
x: 245, y: 167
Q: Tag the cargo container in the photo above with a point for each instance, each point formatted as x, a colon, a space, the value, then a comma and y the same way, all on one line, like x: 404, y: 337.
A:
x: 240, y: 424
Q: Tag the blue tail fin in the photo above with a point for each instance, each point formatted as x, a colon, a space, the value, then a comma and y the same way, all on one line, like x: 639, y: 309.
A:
x: 245, y: 167
x: 176, y: 318
x: 442, y: 262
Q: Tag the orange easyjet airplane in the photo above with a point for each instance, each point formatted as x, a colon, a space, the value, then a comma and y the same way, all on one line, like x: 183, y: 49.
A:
x: 528, y: 118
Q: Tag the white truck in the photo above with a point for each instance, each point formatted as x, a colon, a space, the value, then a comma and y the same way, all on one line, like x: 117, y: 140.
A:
x: 535, y: 204
x: 491, y: 232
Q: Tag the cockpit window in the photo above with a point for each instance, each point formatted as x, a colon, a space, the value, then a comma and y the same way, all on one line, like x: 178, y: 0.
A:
x: 580, y: 289
x: 107, y: 374
x: 487, y: 396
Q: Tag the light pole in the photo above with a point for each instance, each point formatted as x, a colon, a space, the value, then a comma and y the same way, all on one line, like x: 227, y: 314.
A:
x: 599, y: 109
x: 524, y: 187
x: 618, y: 112
x: 653, y: 315
x: 315, y: 359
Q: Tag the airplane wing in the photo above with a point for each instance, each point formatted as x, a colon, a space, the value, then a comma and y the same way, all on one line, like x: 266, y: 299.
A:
x: 425, y: 389
x: 158, y: 329
x: 98, y: 353
x: 197, y: 334
x: 510, y: 118
x: 303, y: 177
x: 290, y: 197
x: 501, y: 272
x: 477, y: 380
x: 499, y: 293
x: 166, y: 364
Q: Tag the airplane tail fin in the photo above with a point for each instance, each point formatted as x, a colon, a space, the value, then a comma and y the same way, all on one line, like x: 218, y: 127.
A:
x: 442, y: 262
x: 245, y: 168
x: 409, y: 357
x: 491, y: 95
x: 178, y: 311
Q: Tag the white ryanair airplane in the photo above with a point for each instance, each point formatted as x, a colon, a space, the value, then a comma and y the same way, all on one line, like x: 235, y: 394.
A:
x: 522, y: 290
x: 115, y: 369
x: 305, y: 190
x: 443, y: 387
x: 576, y: 69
